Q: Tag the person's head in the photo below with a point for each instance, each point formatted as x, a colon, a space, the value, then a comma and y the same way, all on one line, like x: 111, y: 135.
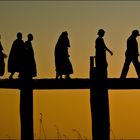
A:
x: 101, y: 32
x: 62, y: 36
x: 19, y: 35
x: 30, y: 37
x: 135, y: 33
x: 65, y: 33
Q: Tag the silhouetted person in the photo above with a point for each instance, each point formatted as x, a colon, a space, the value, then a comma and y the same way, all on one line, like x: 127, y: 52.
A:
x: 101, y: 61
x: 29, y: 64
x: 131, y: 54
x: 2, y: 56
x: 62, y: 62
x: 15, y: 56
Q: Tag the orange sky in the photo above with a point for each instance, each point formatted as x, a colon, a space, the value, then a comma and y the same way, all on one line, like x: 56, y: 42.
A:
x: 65, y: 109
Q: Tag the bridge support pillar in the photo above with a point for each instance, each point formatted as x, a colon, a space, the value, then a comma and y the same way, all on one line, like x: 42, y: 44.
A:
x: 26, y: 109
x: 99, y: 105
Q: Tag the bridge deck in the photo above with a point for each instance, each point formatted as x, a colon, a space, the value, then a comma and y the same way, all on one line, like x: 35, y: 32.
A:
x: 113, y: 83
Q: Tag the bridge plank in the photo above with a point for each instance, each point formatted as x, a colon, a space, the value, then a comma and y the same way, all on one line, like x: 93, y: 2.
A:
x: 48, y: 84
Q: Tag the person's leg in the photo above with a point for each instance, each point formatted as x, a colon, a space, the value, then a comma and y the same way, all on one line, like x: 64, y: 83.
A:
x: 137, y: 66
x: 67, y: 76
x: 11, y: 75
x: 58, y: 75
x: 125, y: 67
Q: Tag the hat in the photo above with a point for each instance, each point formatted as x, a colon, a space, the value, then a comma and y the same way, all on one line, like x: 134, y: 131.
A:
x: 136, y: 32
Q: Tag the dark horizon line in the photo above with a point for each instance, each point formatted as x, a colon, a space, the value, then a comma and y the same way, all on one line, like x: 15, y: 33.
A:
x: 71, y: 0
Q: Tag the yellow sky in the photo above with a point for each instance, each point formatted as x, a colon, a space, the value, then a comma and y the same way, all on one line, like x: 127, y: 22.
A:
x: 66, y: 109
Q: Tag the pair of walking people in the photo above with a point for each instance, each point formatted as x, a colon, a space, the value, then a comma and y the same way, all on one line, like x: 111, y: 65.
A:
x: 21, y: 58
x: 62, y: 61
x: 131, y: 55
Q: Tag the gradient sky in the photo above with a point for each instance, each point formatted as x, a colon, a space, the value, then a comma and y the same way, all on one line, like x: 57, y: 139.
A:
x: 69, y: 110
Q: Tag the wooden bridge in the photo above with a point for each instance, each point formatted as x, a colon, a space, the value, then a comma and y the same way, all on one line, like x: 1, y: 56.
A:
x: 98, y: 98
x: 77, y: 83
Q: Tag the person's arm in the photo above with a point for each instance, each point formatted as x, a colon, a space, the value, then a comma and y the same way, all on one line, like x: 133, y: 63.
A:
x: 105, y: 47
x: 109, y: 51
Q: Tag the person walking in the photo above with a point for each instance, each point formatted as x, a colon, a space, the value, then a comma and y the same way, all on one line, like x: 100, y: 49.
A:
x: 62, y: 61
x: 29, y: 69
x: 100, y: 58
x: 131, y: 54
x: 16, y: 55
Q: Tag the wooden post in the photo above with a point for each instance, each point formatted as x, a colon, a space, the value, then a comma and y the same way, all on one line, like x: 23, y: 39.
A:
x: 26, y: 109
x: 99, y: 105
x: 92, y: 68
